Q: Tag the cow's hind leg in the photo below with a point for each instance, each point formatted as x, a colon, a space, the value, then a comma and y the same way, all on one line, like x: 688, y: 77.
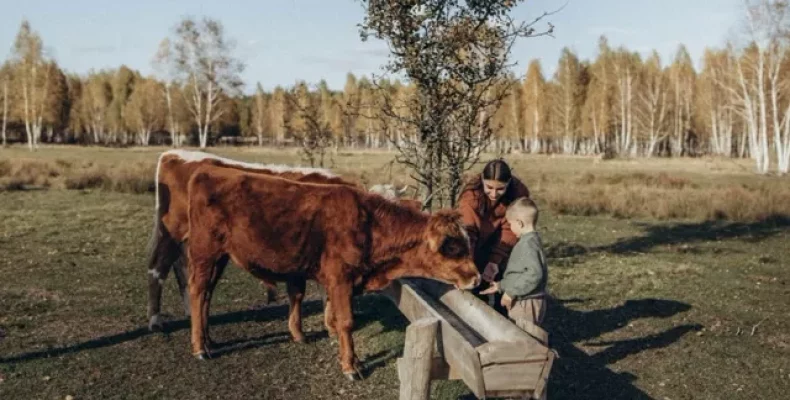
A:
x: 340, y: 298
x: 182, y: 277
x: 271, y: 291
x: 296, y: 290
x: 165, y: 252
x: 203, y: 278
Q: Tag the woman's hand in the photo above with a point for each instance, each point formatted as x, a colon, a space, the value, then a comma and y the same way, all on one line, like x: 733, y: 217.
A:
x: 494, y: 288
x: 489, y: 273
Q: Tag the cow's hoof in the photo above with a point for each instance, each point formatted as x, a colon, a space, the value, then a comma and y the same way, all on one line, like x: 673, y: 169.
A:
x: 355, y: 375
x: 155, y: 324
x: 299, y: 339
x: 203, y: 356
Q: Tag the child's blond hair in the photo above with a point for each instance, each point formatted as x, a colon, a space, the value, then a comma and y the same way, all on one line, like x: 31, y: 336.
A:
x: 523, y: 209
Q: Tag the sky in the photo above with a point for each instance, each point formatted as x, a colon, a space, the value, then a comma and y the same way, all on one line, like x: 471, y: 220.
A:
x: 283, y: 41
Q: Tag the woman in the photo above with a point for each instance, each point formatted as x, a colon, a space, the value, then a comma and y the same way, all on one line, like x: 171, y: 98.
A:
x: 482, y: 205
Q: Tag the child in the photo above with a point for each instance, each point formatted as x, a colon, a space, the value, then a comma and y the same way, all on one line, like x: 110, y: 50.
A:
x: 523, y: 283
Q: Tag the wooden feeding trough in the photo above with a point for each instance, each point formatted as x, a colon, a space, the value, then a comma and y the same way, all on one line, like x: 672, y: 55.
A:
x: 454, y: 335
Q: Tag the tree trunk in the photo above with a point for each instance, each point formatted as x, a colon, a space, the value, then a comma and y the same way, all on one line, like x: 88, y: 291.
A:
x: 5, y: 110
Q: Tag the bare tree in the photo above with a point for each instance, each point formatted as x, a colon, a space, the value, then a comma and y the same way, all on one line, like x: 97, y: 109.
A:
x: 308, y: 125
x: 96, y: 99
x: 535, y: 106
x: 260, y: 114
x: 202, y: 58
x: 32, y: 73
x: 144, y: 112
x: 566, y: 100
x: 717, y: 111
x: 456, y: 55
x: 652, y: 110
x: 5, y: 76
x: 626, y: 73
x: 163, y: 63
x: 681, y: 75
x: 760, y: 78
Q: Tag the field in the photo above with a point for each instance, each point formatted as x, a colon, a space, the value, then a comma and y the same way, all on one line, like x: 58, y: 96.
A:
x: 669, y: 281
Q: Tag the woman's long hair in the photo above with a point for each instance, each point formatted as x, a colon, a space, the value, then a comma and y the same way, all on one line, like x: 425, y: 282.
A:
x: 494, y: 170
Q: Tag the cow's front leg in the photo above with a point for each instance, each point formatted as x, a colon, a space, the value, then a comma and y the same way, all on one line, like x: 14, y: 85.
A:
x: 296, y: 289
x: 329, y: 319
x: 340, y: 298
x: 203, y: 278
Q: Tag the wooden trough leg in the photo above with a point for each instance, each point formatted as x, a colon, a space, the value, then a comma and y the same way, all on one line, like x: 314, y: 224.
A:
x: 414, y: 368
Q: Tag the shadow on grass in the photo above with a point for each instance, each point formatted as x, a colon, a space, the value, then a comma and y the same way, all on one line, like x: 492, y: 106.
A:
x: 255, y: 315
x: 680, y: 233
x: 575, y: 375
x: 578, y: 375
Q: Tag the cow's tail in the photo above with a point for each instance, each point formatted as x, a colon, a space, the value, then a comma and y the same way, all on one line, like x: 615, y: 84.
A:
x: 162, y: 252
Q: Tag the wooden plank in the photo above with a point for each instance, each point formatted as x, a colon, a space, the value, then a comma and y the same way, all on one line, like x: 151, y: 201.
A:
x: 414, y: 368
x: 440, y: 370
x: 505, y: 353
x: 510, y: 394
x: 543, y: 382
x: 456, y: 342
x: 512, y: 377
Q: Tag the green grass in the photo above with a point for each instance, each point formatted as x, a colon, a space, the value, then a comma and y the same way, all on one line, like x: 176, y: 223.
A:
x: 676, y: 309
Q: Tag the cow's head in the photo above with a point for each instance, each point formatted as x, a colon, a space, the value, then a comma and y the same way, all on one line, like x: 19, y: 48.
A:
x: 448, y: 253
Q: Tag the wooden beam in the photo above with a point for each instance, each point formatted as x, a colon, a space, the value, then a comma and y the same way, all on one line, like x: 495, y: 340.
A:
x: 414, y: 368
x: 480, y: 317
x: 456, y: 342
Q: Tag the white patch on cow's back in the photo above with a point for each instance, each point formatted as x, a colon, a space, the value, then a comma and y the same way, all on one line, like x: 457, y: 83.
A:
x: 388, y: 191
x: 194, y: 156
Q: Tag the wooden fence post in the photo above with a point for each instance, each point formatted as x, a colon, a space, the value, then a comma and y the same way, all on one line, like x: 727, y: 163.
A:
x: 414, y: 368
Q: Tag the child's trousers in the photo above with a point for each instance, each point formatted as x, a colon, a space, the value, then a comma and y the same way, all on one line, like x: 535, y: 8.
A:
x: 528, y: 315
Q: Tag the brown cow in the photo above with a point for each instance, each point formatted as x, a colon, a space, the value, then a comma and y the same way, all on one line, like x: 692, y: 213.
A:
x: 171, y: 221
x: 343, y: 237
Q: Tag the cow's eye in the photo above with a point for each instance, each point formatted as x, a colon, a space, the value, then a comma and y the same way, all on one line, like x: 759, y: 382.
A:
x: 454, y: 247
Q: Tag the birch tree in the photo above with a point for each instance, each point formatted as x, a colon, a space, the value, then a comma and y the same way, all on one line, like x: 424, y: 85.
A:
x: 598, y: 107
x: 5, y: 80
x: 568, y: 100
x: 163, y: 63
x: 96, y: 100
x: 31, y: 75
x: 535, y: 107
x: 260, y: 114
x: 626, y: 74
x: 203, y: 60
x: 716, y: 111
x: 767, y: 24
x: 682, y: 77
x: 145, y: 110
x: 653, y: 104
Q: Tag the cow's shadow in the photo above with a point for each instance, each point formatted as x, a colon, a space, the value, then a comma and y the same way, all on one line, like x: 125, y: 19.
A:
x: 575, y: 375
x: 263, y: 314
